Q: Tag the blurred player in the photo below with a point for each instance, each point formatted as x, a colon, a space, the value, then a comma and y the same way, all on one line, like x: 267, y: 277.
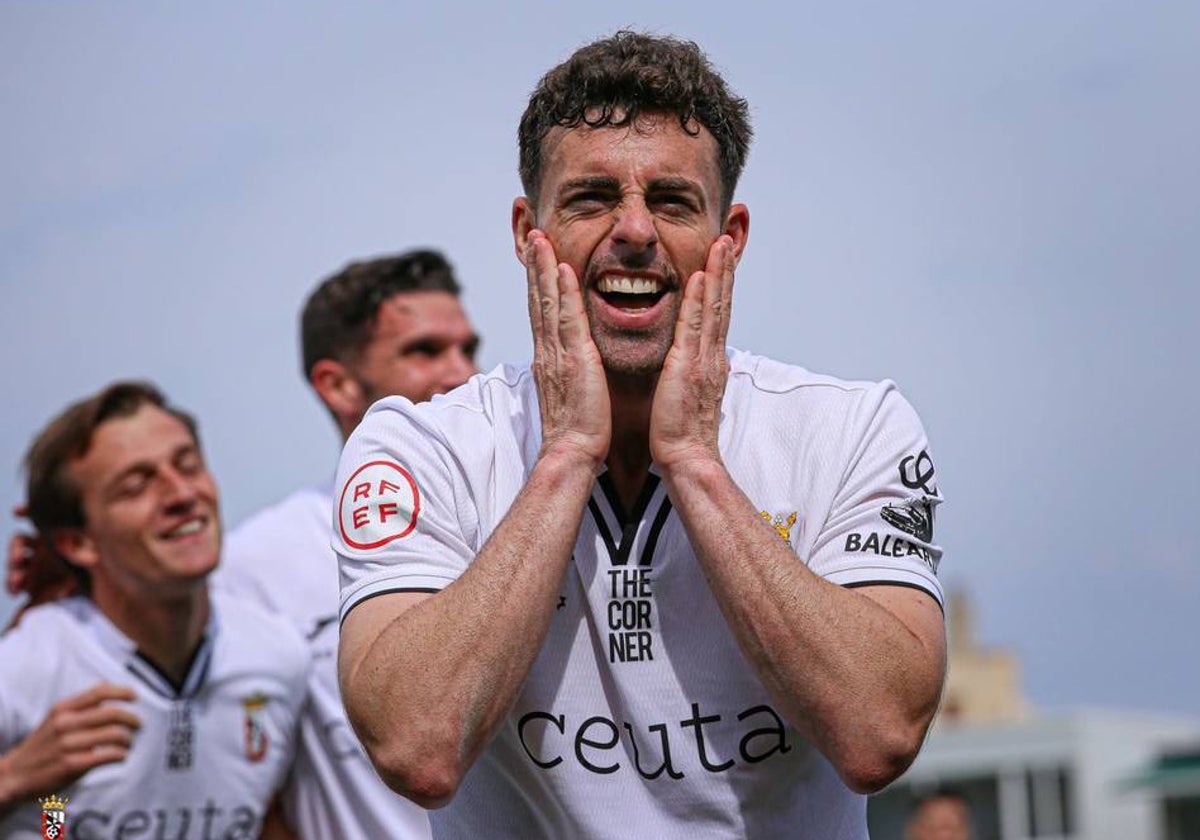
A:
x: 392, y: 325
x: 143, y: 701
x: 944, y: 815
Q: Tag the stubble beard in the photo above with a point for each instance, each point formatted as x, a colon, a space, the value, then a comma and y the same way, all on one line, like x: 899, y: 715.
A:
x: 634, y: 354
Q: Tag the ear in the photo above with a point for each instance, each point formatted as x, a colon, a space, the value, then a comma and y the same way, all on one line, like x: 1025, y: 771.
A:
x: 338, y: 389
x: 76, y: 547
x: 524, y: 219
x: 737, y: 225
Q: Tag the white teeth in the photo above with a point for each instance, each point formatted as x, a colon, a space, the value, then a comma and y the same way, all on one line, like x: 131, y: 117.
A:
x: 186, y: 528
x: 629, y: 285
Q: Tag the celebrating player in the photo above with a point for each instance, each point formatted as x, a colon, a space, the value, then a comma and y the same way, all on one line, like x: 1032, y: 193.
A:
x: 648, y: 582
x: 392, y: 325
x: 142, y: 702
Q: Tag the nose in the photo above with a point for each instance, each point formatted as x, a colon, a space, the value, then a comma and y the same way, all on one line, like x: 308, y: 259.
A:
x: 458, y: 368
x: 634, y: 228
x: 179, y: 490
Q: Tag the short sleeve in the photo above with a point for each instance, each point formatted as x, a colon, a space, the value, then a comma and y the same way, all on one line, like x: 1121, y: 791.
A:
x: 400, y: 507
x: 880, y: 528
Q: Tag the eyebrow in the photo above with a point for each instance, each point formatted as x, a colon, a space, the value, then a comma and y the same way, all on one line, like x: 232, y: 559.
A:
x: 657, y: 185
x: 675, y: 185
x: 427, y: 338
x: 589, y: 182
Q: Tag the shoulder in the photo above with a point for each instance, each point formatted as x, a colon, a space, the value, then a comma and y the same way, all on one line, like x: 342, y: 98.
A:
x: 768, y: 377
x: 271, y: 540
x: 254, y: 637
x: 761, y: 384
x: 37, y: 640
x: 304, y: 506
x: 39, y: 663
x: 460, y: 430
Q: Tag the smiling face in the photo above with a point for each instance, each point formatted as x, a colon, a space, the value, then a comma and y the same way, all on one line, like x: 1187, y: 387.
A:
x: 633, y: 210
x: 149, y: 507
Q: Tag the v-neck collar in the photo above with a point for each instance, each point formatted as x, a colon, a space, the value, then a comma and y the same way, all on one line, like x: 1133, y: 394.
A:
x: 613, y: 522
x: 124, y: 650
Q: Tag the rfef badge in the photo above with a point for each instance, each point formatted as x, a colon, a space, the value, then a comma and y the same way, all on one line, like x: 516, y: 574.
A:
x: 379, y: 503
x: 54, y: 817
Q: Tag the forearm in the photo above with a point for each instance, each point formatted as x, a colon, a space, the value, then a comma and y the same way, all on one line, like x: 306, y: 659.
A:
x: 428, y: 693
x: 11, y: 793
x: 848, y: 673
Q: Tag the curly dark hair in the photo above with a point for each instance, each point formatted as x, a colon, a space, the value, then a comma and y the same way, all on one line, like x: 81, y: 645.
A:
x: 339, y: 316
x: 613, y: 81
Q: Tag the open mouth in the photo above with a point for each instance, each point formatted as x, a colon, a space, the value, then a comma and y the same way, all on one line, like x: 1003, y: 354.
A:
x: 186, y: 529
x: 630, y: 293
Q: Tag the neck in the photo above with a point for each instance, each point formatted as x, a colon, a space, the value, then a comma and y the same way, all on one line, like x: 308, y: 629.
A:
x: 166, y: 630
x: 629, y: 451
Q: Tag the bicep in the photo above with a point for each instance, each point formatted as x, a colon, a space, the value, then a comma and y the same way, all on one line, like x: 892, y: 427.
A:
x: 366, y: 622
x: 920, y: 614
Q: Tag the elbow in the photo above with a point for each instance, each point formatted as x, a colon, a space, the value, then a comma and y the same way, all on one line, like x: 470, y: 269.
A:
x: 872, y: 767
x: 428, y: 778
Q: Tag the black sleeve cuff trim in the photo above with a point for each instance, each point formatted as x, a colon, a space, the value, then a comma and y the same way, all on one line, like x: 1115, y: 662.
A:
x: 861, y: 583
x: 425, y: 589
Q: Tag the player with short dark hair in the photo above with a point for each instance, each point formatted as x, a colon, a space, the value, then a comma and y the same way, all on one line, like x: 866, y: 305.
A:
x: 390, y: 325
x: 647, y: 580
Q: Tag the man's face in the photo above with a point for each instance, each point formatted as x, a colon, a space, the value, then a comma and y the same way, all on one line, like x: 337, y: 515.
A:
x: 149, y: 504
x: 633, y: 210
x: 422, y: 345
x: 942, y: 818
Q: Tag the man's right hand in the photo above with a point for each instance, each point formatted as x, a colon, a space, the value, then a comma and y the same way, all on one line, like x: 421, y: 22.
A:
x: 571, y: 384
x: 80, y: 732
x: 33, y: 568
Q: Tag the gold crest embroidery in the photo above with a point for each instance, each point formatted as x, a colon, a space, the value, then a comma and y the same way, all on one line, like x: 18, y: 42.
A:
x: 783, y: 527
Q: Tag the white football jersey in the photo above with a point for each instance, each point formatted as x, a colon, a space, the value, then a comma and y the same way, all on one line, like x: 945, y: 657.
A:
x: 208, y: 758
x: 640, y: 713
x: 281, y: 557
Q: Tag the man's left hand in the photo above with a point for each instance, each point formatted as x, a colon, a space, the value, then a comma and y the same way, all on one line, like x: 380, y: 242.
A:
x: 687, y: 405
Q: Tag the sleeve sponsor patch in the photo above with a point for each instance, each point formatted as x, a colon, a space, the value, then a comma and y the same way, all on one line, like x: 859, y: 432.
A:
x: 379, y: 503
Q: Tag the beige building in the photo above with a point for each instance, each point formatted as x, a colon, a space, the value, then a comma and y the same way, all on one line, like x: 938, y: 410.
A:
x: 983, y: 685
x: 1079, y: 775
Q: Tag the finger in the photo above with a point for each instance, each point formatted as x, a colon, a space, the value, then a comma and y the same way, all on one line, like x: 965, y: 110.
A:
x: 728, y: 272
x: 715, y: 302
x: 545, y: 282
x: 531, y: 288
x: 97, y: 694
x: 82, y: 761
x: 16, y: 576
x: 20, y: 511
x: 572, y: 318
x: 101, y: 716
x: 691, y: 316
x: 102, y: 736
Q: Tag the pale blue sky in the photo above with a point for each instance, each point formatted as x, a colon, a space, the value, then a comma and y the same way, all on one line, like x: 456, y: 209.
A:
x: 996, y: 207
